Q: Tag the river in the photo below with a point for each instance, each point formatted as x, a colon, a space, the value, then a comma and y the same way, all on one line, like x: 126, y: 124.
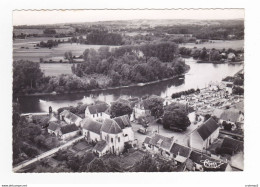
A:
x: 198, y: 77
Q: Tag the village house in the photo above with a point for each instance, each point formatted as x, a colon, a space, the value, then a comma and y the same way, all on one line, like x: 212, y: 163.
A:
x: 159, y: 144
x: 203, y: 162
x: 110, y: 136
x: 180, y: 153
x: 139, y: 110
x: 204, y: 135
x: 63, y: 131
x: 70, y: 118
x: 98, y: 112
x: 232, y: 116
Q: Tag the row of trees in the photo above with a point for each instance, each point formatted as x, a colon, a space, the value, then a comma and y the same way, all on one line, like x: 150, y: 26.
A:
x: 186, y: 92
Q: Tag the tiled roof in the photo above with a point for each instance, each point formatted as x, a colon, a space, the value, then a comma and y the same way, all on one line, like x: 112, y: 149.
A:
x: 123, y: 121
x: 199, y: 158
x: 230, y: 115
x: 98, y: 108
x: 207, y: 128
x: 100, y: 146
x: 53, y: 126
x: 110, y: 126
x: 147, y: 140
x: 161, y: 141
x: 91, y: 125
x: 72, y: 117
x: 181, y: 150
x: 233, y: 144
x: 68, y: 128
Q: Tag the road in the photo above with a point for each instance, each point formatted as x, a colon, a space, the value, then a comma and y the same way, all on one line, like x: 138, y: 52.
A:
x: 48, y: 153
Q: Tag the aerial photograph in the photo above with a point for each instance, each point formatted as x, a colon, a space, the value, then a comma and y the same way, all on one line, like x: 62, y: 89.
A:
x: 128, y: 91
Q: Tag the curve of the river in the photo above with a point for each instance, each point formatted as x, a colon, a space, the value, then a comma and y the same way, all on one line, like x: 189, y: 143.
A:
x: 198, y: 77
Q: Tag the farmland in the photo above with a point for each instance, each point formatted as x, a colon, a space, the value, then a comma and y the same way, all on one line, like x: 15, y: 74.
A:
x: 24, y: 49
x: 217, y: 44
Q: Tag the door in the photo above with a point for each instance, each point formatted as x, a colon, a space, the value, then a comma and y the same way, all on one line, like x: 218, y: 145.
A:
x: 113, y: 149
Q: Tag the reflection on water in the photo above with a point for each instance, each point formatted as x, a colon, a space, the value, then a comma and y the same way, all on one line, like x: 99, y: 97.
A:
x: 198, y: 77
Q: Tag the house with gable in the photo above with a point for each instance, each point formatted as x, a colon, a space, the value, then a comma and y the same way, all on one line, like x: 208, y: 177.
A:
x: 98, y: 112
x: 68, y: 131
x: 180, y: 153
x: 70, y: 118
x: 111, y: 135
x: 159, y: 144
x: 202, y: 137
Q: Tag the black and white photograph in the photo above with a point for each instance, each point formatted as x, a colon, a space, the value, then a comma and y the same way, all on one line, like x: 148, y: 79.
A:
x: 128, y: 91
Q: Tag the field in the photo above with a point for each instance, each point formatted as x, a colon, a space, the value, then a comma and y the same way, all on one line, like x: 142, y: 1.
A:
x: 234, y: 44
x: 24, y: 49
x: 40, y: 31
x: 56, y: 69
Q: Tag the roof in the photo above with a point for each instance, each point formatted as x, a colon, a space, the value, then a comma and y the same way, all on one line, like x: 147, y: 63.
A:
x: 181, y: 150
x: 68, y: 128
x: 98, y: 108
x: 147, y: 140
x: 207, y: 128
x: 53, y: 126
x: 233, y: 144
x: 100, y: 146
x: 91, y: 125
x: 110, y: 126
x: 161, y: 141
x: 123, y: 121
x: 203, y: 159
x: 230, y: 115
x: 72, y: 117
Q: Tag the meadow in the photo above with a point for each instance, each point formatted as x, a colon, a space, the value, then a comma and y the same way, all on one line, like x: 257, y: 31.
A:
x: 56, y: 69
x: 217, y: 44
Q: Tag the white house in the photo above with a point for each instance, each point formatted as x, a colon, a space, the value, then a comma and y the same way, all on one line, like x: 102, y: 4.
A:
x: 98, y: 112
x: 159, y: 144
x: 110, y: 135
x: 204, y: 135
x: 91, y: 129
x: 70, y: 118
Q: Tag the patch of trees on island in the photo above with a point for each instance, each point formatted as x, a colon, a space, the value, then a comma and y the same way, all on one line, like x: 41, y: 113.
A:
x: 186, y: 92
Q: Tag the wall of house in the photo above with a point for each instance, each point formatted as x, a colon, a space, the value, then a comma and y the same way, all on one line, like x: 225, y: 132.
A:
x: 101, y: 153
x: 196, y: 141
x: 118, y: 145
x: 69, y: 135
x: 130, y: 134
x: 92, y: 136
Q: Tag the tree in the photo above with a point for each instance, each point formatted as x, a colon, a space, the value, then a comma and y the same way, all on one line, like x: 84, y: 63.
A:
x: 97, y: 165
x: 26, y: 74
x: 167, y: 166
x: 120, y: 109
x: 146, y: 164
x: 238, y: 90
x: 175, y: 117
x: 155, y: 105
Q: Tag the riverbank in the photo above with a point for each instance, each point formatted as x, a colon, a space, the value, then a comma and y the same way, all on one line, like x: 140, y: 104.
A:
x: 104, y: 89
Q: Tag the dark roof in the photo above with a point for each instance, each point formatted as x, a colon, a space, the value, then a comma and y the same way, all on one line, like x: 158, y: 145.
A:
x: 147, y: 140
x: 161, y: 141
x: 91, y: 125
x: 69, y: 115
x: 100, y: 145
x: 230, y: 115
x: 68, y: 128
x: 233, y: 144
x: 110, y: 126
x: 230, y: 85
x: 53, y: 126
x: 123, y: 121
x: 98, y: 108
x: 207, y: 128
x: 181, y: 150
x: 199, y: 158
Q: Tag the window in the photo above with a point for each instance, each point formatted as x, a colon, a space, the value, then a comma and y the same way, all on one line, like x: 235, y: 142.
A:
x: 118, y: 139
x: 93, y: 115
x: 97, y: 114
x: 112, y: 140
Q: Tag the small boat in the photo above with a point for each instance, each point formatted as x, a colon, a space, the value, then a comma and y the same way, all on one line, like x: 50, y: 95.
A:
x: 181, y: 78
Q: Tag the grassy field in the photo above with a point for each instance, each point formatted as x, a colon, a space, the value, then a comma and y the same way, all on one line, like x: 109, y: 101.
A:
x: 234, y: 44
x: 25, y: 50
x: 56, y: 69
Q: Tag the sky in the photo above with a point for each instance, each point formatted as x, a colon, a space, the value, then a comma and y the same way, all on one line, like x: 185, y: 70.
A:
x: 71, y: 16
